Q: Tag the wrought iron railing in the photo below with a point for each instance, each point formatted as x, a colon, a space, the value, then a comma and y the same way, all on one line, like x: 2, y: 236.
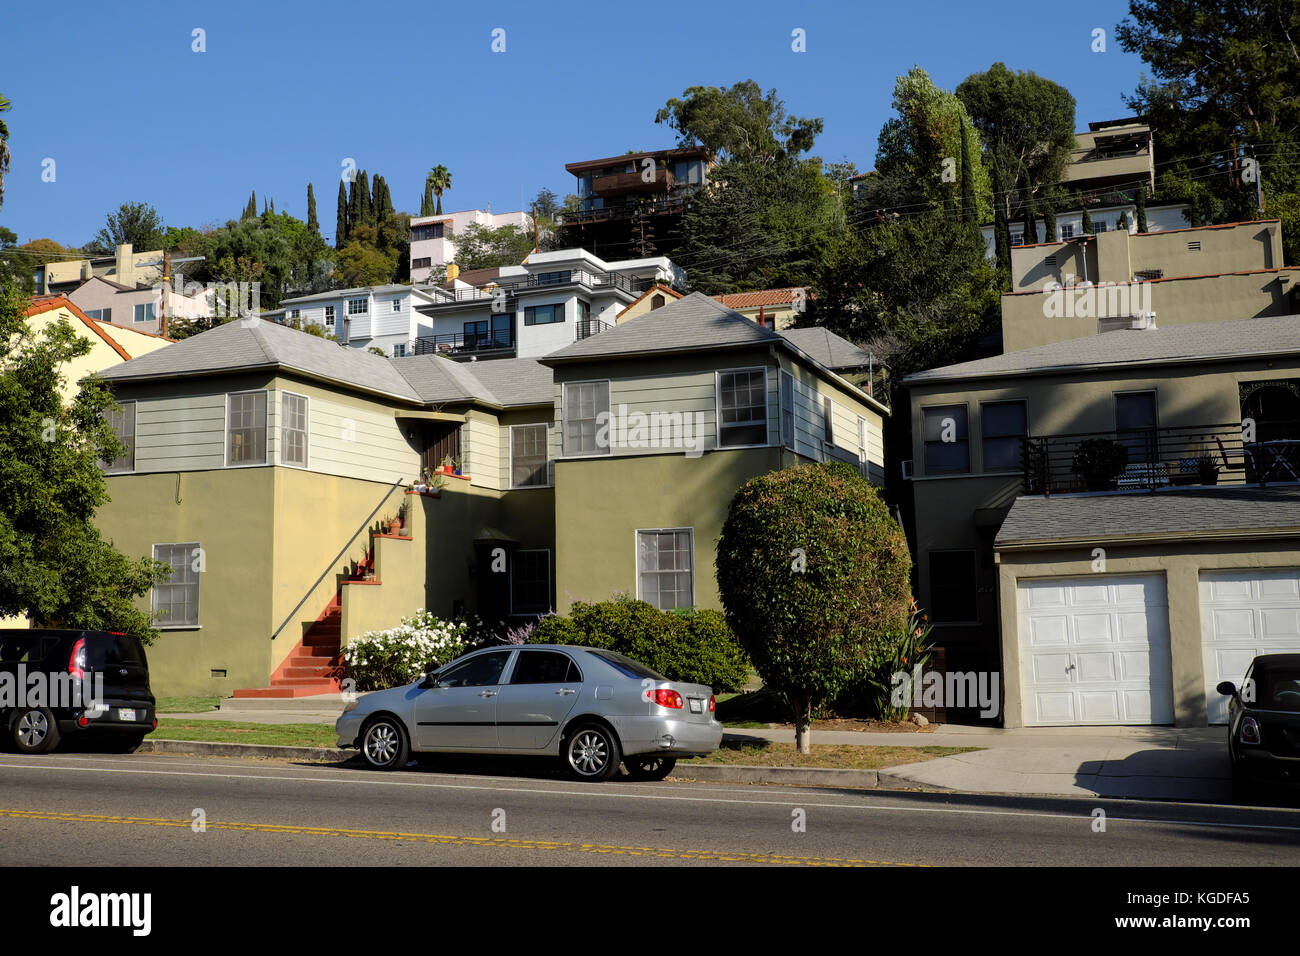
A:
x: 1153, y: 458
x: 453, y: 342
x: 586, y: 328
x: 510, y: 288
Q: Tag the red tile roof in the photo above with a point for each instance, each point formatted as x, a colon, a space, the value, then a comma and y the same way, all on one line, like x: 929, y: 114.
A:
x: 762, y: 297
x: 48, y: 303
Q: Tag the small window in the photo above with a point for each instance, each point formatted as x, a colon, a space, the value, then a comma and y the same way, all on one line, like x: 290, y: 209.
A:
x: 828, y: 420
x: 787, y: 410
x: 953, y: 588
x: 1067, y: 231
x: 294, y: 313
x: 424, y: 262
x: 329, y: 316
x: 482, y: 671
x: 144, y: 312
x: 293, y: 429
x: 246, y: 428
x: 545, y: 667
x: 586, y: 414
x: 358, y: 306
x: 947, y: 449
x: 1017, y: 238
x: 1003, y: 427
x: 175, y: 602
x: 399, y: 350
x: 742, y: 408
x: 122, y: 421
x: 528, y: 456
x: 543, y: 314
x: 397, y: 305
x: 530, y: 582
x: 665, y: 568
x: 1099, y: 226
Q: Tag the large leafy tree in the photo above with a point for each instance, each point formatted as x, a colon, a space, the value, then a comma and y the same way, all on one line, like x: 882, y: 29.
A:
x: 814, y: 574
x: 16, y: 265
x: 275, y: 250
x: 488, y: 247
x: 55, y: 566
x: 739, y: 123
x: 135, y: 222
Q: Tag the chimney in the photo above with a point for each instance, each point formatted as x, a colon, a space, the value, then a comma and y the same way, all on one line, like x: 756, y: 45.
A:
x: 453, y: 271
x: 125, y: 265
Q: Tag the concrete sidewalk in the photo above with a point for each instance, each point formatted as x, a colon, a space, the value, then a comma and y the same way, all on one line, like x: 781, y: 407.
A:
x: 1171, y: 763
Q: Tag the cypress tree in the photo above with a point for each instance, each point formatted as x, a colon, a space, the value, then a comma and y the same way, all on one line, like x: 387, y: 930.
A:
x: 272, y: 207
x: 426, y: 201
x: 365, y: 205
x: 250, y: 210
x: 355, y: 214
x: 1086, y: 226
x: 312, y: 222
x: 1001, y: 237
x: 1049, y: 224
x: 1122, y: 222
x: 1027, y: 219
x: 341, y: 227
x: 1141, y: 202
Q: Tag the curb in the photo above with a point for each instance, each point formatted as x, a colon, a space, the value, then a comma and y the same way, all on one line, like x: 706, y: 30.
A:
x: 213, y: 748
x: 717, y: 773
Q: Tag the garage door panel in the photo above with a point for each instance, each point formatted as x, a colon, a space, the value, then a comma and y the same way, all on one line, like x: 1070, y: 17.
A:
x: 1116, y: 630
x: 1245, y: 614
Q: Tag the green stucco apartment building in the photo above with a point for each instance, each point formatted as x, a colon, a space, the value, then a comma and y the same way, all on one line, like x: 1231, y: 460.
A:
x: 265, y: 464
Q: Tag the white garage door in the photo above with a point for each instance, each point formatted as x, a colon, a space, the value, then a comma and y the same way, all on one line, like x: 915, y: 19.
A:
x: 1245, y: 613
x: 1095, y: 650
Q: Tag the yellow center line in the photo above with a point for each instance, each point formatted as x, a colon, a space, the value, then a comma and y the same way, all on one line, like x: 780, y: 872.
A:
x: 728, y: 856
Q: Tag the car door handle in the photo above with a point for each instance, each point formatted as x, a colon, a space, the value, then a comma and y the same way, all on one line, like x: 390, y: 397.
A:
x: 487, y: 693
x: 566, y: 691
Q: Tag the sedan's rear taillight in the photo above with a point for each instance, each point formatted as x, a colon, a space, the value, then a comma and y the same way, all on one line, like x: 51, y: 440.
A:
x: 713, y: 703
x: 77, y: 659
x: 665, y: 697
x: 1248, y: 733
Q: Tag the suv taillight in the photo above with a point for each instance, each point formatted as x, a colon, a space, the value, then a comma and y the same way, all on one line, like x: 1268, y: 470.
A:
x: 713, y: 703
x: 77, y: 659
x: 665, y: 697
x: 1248, y: 733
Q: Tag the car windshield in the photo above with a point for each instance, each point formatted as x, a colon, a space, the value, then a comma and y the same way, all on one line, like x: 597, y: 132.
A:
x: 627, y: 666
x: 1277, y: 688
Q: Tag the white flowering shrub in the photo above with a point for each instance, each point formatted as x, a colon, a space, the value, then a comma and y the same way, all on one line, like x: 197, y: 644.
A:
x: 399, y: 655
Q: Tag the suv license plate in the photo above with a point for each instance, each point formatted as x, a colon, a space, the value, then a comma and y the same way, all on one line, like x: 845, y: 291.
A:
x: 126, y: 713
x: 697, y: 706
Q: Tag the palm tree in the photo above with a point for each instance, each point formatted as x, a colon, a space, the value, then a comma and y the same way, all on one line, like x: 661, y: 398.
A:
x: 4, y: 149
x: 439, y: 179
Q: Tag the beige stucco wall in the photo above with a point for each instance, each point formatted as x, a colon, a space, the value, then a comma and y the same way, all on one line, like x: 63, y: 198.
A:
x: 1180, y: 562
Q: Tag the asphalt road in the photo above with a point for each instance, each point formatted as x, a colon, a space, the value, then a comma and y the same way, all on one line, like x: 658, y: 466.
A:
x: 79, y: 809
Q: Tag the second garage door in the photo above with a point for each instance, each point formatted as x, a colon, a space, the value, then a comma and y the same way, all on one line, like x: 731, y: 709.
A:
x: 1243, y: 614
x: 1095, y: 650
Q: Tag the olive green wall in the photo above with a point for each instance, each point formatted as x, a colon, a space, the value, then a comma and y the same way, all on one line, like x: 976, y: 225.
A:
x: 600, y: 504
x: 1181, y: 562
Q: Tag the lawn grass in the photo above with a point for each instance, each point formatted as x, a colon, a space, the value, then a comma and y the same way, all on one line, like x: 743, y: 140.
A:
x: 833, y: 756
x: 186, y: 705
x: 239, y: 732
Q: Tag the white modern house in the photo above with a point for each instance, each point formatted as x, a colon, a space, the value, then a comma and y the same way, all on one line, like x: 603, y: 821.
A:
x: 433, y: 241
x: 383, y: 317
x: 552, y: 300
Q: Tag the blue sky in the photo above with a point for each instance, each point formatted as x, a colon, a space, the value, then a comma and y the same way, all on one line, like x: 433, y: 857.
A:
x: 286, y: 91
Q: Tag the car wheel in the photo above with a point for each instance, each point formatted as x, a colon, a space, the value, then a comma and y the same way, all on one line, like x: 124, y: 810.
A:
x: 35, y: 731
x: 592, y: 752
x: 649, y: 767
x: 384, y: 744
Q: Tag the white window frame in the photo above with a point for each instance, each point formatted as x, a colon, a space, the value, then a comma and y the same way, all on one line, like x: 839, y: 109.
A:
x: 717, y: 408
x: 109, y: 469
x: 549, y: 482
x: 788, y: 439
x: 295, y: 313
x: 150, y: 313
x: 329, y: 316
x: 225, y: 432
x: 863, y: 463
x: 306, y: 433
x: 190, y: 547
x: 363, y: 310
x: 399, y: 350
x: 550, y: 580
x: 636, y: 556
x: 564, y: 419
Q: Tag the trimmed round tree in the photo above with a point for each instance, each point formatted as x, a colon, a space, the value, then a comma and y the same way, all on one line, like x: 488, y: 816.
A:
x: 813, y: 571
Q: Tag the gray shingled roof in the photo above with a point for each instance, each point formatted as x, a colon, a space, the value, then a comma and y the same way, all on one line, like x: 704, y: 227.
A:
x: 691, y: 323
x: 502, y: 382
x: 828, y: 348
x: 1277, y: 335
x: 1184, y: 514
x: 258, y: 344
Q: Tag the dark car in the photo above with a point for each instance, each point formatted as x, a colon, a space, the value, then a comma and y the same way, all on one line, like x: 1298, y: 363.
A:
x: 114, y: 703
x: 1264, y: 725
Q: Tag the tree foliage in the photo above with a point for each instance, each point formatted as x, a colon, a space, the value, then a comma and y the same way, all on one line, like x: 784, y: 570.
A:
x: 55, y: 567
x: 490, y: 247
x: 814, y: 573
x: 739, y: 123
x: 135, y: 222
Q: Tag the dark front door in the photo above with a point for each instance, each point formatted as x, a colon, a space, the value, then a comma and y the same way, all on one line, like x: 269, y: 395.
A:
x: 442, y: 444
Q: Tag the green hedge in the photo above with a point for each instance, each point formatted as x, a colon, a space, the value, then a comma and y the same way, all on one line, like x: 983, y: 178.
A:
x: 689, y: 645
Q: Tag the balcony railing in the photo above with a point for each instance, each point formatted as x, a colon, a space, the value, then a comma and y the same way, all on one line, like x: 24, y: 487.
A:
x: 588, y: 327
x: 452, y: 343
x: 1154, y: 458
x: 668, y: 205
x: 510, y: 288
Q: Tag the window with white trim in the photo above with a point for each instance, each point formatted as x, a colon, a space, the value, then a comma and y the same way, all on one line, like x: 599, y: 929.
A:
x: 397, y: 305
x: 742, y: 408
x: 358, y: 306
x: 584, y: 405
x: 787, y: 409
x: 293, y: 429
x: 246, y: 428
x: 329, y: 316
x: 122, y: 421
x: 528, y: 456
x: 144, y: 312
x: 175, y: 601
x: 530, y: 582
x: 665, y: 567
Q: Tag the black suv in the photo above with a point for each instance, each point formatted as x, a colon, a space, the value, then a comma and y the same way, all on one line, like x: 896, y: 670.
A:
x: 121, y: 717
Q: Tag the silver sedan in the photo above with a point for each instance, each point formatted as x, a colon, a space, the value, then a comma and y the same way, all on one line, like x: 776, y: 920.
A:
x: 591, y: 707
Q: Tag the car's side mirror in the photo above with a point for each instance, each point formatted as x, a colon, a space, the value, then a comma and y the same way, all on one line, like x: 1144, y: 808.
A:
x: 1227, y: 688
x: 430, y: 679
